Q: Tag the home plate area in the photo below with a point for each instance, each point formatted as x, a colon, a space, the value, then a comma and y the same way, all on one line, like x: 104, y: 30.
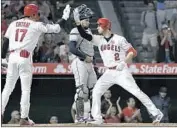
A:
x: 124, y: 125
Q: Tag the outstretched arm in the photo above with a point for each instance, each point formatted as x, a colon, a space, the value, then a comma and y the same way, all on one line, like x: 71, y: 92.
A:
x: 66, y: 13
x: 55, y: 28
x: 82, y: 32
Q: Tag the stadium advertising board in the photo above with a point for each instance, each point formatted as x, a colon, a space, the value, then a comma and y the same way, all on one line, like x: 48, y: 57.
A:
x: 135, y: 68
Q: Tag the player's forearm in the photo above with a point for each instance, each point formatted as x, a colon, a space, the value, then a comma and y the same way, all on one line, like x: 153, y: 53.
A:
x: 75, y: 51
x: 131, y: 53
x: 61, y: 22
x: 50, y: 28
x: 129, y: 57
x: 83, y: 33
x: 5, y: 47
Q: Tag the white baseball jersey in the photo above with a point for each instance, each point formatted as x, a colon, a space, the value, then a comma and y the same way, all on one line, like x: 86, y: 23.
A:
x: 23, y: 36
x: 112, y: 51
x: 24, y: 33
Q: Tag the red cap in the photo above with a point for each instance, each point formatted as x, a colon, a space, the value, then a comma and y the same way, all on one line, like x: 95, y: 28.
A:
x: 31, y: 9
x: 104, y: 23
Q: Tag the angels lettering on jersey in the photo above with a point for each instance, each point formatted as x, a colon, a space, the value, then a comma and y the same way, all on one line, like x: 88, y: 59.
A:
x: 112, y: 50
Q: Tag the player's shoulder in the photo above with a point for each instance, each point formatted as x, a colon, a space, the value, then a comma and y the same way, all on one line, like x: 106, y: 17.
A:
x: 119, y: 37
x: 98, y: 37
x: 74, y: 31
x: 37, y: 24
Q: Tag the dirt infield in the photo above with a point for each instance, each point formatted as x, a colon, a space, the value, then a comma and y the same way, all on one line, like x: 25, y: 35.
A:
x: 124, y: 125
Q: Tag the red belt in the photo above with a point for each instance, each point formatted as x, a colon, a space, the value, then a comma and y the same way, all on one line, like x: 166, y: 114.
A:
x: 23, y: 53
x: 112, y: 67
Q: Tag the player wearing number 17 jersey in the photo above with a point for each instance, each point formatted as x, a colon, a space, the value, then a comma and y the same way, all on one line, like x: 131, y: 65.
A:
x: 116, y: 52
x: 21, y: 39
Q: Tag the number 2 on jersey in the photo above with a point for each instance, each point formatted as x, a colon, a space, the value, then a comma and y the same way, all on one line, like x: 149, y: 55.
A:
x: 23, y: 33
x: 116, y: 56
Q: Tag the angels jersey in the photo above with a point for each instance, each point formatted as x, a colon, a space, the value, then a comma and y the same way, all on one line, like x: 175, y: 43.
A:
x: 24, y: 33
x: 112, y: 51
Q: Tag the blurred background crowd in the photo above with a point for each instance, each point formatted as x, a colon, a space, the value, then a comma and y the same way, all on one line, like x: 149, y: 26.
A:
x: 150, y: 25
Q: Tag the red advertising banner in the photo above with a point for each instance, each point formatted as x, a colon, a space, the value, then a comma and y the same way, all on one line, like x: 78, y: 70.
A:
x: 136, y: 69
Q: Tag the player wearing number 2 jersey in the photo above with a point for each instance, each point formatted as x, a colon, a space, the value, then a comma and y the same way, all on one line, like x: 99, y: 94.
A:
x: 21, y: 39
x: 116, y: 52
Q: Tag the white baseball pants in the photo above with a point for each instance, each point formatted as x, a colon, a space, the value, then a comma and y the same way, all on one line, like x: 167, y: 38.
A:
x: 126, y: 81
x: 22, y: 67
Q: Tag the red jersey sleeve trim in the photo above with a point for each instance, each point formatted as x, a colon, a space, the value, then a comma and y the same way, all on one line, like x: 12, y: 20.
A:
x: 131, y: 49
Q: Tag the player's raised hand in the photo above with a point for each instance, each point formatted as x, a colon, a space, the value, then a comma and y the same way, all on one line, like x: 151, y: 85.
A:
x: 66, y: 12
x: 76, y: 15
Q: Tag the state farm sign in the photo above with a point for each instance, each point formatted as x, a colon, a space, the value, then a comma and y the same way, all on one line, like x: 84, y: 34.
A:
x: 153, y: 69
x: 136, y: 69
x: 164, y: 69
x: 148, y: 69
x: 39, y: 69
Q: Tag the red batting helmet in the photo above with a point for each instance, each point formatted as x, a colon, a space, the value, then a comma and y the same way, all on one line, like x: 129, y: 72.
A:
x: 31, y: 9
x: 104, y: 23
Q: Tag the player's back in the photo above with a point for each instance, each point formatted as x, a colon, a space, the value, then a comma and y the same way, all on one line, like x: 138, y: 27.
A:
x: 17, y: 32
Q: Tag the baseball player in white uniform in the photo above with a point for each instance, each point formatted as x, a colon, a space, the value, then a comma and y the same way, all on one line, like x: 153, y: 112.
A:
x: 116, y: 52
x: 82, y: 67
x: 21, y: 38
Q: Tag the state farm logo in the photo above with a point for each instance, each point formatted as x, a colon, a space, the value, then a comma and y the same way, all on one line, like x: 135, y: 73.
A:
x: 39, y: 69
x: 133, y: 69
x: 60, y: 69
x: 158, y: 69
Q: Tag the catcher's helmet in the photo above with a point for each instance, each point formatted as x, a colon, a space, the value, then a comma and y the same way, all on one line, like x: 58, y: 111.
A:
x: 85, y: 12
x: 104, y: 23
x: 31, y: 9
